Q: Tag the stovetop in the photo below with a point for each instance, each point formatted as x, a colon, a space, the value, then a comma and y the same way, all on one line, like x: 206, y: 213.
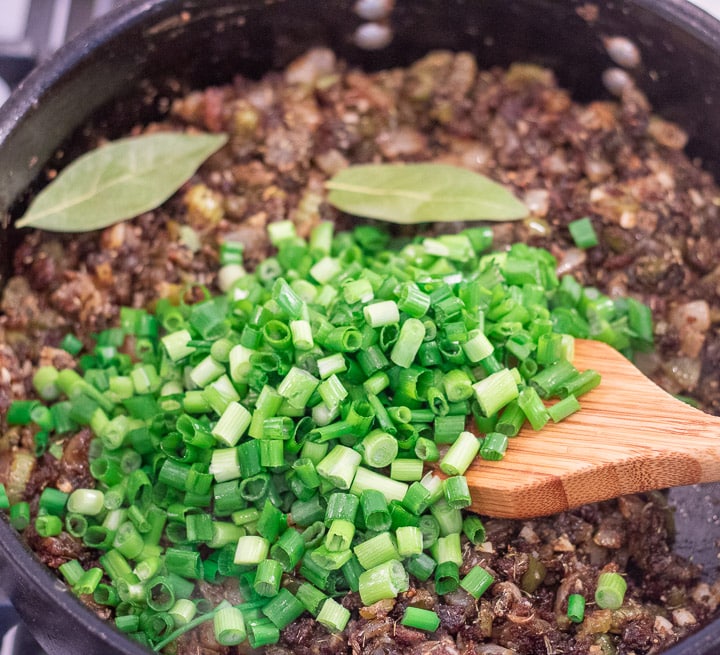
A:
x: 31, y: 30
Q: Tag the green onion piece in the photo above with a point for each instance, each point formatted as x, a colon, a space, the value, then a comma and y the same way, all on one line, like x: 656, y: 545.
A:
x: 283, y: 609
x: 225, y: 464
x: 271, y: 522
x: 409, y: 541
x: 176, y: 345
x: 447, y: 577
x: 477, y: 581
x: 386, y: 580
x: 477, y: 347
x: 406, y: 470
x: 583, y: 233
x: 71, y: 344
x: 289, y: 549
x: 376, y: 550
x: 426, y: 450
x: 381, y: 313
x: 19, y: 412
x: 76, y: 525
x: 184, y: 563
x: 447, y: 549
x: 375, y: 510
x: 563, y: 408
x: 457, y: 492
x: 128, y: 540
x: 474, y: 529
x: 262, y: 633
x: 251, y: 549
x: 532, y: 406
x: 548, y: 381
x: 48, y: 525
x: 493, y: 446
x: 412, y: 301
x: 53, y: 501
x: 339, y: 535
x: 311, y: 597
x: 182, y: 612
x: 339, y: 466
x: 229, y: 626
x: 341, y: 506
x: 89, y: 502
x: 128, y: 623
x: 495, y: 391
x: 233, y: 423
x: 460, y: 454
x: 159, y: 594
x: 412, y: 333
x: 448, y: 518
x: 106, y: 595
x: 333, y: 616
x: 610, y: 591
x: 510, y: 421
x: 268, y: 578
x: 379, y: 449
x: 417, y: 498
x: 331, y: 365
x: 421, y: 566
x: 577, y: 386
x: 421, y: 619
x: 367, y: 479
x: 351, y: 571
x: 576, y: 608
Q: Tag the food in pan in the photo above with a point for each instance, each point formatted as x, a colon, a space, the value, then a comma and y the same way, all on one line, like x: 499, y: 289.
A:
x: 616, y: 211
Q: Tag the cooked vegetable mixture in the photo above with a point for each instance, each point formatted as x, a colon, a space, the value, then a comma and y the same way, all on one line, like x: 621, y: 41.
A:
x: 612, y: 198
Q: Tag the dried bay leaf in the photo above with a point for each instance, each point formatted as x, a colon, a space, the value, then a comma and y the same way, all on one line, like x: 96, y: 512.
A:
x: 119, y: 180
x: 420, y: 193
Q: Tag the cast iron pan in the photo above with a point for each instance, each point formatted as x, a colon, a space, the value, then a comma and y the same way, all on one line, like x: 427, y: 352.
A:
x: 131, y: 56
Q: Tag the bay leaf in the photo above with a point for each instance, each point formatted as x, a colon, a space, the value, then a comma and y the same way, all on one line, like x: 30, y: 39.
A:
x: 420, y: 193
x: 119, y: 180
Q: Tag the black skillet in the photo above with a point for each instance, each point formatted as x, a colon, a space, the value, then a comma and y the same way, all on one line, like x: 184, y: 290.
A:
x: 130, y: 56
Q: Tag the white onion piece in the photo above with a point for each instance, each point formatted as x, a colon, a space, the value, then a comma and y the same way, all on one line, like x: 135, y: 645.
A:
x: 373, y: 36
x: 683, y: 370
x: 572, y: 259
x: 373, y: 9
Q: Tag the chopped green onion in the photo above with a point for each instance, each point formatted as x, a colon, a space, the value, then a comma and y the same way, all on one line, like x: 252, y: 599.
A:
x: 583, y: 233
x: 283, y: 609
x: 339, y: 466
x: 268, y: 578
x: 421, y: 619
x: 409, y: 541
x: 576, y: 608
x: 447, y: 577
x: 460, y: 454
x: 493, y: 446
x: 89, y: 502
x: 495, y: 391
x: 610, y: 591
x: 229, y: 626
x: 477, y: 581
x: 563, y: 408
x: 333, y: 616
x: 251, y: 549
x: 457, y: 492
x: 376, y: 550
x: 386, y: 580
x: 421, y: 566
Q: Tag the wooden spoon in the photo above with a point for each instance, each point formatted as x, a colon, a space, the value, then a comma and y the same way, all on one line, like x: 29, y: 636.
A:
x: 630, y: 436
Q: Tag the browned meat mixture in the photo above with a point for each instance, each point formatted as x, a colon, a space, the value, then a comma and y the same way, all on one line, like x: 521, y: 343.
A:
x: 657, y: 216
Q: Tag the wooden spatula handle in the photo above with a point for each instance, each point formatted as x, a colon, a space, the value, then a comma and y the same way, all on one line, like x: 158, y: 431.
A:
x: 630, y: 436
